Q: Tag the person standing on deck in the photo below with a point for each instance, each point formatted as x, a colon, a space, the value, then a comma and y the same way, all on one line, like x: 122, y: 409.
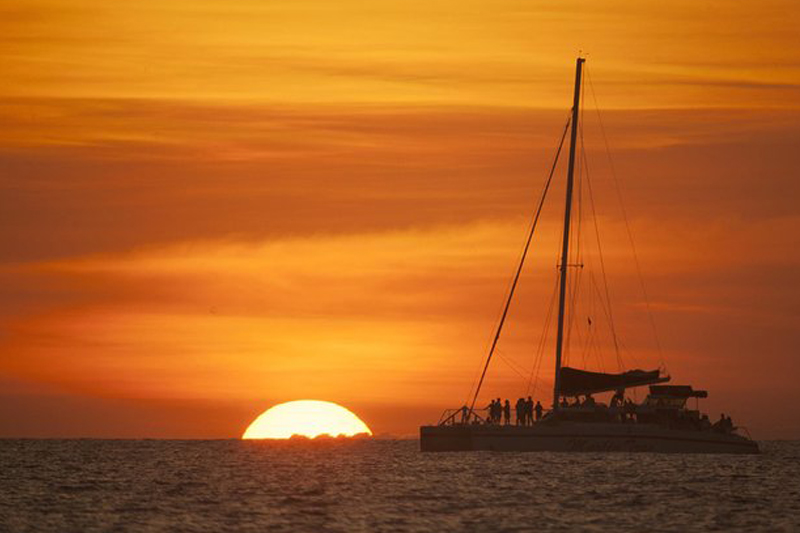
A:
x: 520, y: 412
x: 529, y: 411
x: 538, y: 410
x: 507, y: 412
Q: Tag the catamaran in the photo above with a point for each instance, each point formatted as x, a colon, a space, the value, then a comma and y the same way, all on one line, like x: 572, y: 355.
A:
x: 662, y: 422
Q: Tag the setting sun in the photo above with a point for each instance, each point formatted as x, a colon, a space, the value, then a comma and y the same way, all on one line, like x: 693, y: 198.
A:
x: 308, y: 418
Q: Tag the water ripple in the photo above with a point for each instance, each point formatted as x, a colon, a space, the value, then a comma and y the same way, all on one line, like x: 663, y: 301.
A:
x: 96, y: 485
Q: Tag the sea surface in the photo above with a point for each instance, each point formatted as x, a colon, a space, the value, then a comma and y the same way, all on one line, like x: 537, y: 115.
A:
x: 384, y: 485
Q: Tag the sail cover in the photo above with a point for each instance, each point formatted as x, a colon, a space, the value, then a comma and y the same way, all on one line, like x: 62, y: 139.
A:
x: 575, y: 381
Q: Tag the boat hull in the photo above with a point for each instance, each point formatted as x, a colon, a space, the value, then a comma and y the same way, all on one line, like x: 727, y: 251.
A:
x: 581, y: 437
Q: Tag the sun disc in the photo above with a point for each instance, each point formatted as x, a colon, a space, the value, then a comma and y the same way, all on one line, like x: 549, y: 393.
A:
x: 308, y: 418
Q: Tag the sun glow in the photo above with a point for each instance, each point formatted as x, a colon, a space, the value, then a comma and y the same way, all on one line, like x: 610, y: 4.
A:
x: 308, y: 418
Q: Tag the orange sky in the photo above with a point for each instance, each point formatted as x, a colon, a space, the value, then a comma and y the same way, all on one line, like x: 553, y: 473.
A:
x: 208, y: 207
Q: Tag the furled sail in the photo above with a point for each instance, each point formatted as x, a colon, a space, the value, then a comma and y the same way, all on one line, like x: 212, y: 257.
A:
x: 575, y: 381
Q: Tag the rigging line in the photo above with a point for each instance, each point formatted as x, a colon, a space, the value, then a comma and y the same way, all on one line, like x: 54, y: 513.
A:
x: 512, y: 282
x: 521, y: 263
x: 636, y: 361
x: 589, y: 302
x: 627, y: 225
x: 548, y: 320
x: 591, y: 327
x: 583, y: 176
x: 543, y: 337
x: 488, y: 341
x: 598, y: 353
x: 573, y: 298
x: 543, y: 340
x: 602, y: 306
x: 602, y: 263
x: 591, y: 349
x: 590, y: 339
x: 513, y: 365
x: 578, y: 249
x: 574, y: 329
x: 501, y: 312
x: 533, y: 378
x: 574, y: 288
x: 590, y: 330
x: 578, y: 261
x: 597, y: 345
x: 600, y: 298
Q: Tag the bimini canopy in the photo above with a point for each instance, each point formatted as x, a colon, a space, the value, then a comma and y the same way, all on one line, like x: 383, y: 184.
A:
x: 575, y: 382
x: 677, y: 391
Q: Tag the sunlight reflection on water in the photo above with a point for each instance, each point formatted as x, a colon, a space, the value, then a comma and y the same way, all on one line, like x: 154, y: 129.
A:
x: 371, y: 485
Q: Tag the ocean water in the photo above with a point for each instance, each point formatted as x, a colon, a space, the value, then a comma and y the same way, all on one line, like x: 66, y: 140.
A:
x: 374, y: 485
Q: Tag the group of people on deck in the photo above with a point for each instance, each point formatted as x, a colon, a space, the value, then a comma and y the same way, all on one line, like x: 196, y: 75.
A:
x: 621, y: 409
x: 588, y: 401
x: 723, y: 425
x: 525, y: 410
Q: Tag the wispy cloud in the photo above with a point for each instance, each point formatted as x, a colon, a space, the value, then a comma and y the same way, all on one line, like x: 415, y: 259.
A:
x: 225, y: 202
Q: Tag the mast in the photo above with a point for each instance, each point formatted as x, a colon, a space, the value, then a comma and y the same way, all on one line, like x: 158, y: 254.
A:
x: 562, y: 295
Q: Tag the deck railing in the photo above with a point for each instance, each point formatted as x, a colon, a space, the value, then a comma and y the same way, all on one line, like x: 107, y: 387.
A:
x: 629, y: 414
x: 463, y: 416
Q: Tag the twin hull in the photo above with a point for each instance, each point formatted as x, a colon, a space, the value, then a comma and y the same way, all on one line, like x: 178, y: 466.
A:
x: 580, y: 437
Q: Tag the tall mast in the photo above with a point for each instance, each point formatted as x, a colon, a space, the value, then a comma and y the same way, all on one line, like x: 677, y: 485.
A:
x: 562, y: 295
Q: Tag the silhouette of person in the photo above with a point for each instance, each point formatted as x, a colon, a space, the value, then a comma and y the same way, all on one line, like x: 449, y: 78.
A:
x: 520, y: 411
x: 507, y: 412
x: 618, y: 398
x: 538, y: 409
x: 720, y: 424
x: 529, y: 411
